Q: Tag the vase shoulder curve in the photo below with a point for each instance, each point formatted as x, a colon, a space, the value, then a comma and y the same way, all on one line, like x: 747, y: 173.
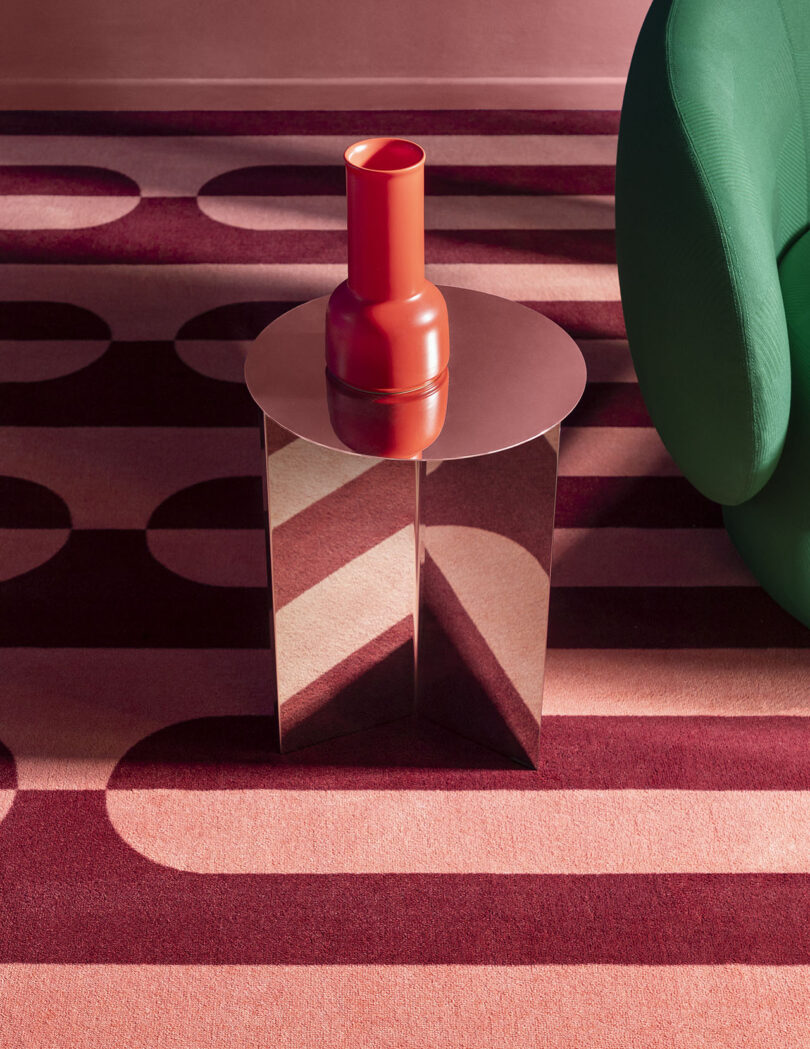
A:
x: 392, y: 345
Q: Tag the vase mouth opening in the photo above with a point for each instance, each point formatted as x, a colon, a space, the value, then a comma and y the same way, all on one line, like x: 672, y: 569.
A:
x: 389, y: 155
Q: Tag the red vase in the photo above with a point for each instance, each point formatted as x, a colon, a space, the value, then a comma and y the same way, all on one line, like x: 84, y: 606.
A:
x: 386, y: 326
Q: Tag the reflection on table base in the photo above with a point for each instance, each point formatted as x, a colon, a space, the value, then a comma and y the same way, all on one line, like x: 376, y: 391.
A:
x: 405, y: 588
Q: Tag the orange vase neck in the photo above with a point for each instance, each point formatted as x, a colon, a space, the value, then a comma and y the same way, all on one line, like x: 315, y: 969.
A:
x: 385, y: 192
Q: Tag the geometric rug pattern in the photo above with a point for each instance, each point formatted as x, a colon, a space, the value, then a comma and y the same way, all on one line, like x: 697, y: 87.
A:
x: 166, y: 878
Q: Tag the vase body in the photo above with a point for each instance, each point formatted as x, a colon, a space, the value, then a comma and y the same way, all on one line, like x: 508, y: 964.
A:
x: 386, y: 326
x: 388, y: 425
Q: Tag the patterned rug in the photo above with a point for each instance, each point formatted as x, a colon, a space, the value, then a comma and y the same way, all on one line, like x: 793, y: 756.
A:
x: 166, y: 880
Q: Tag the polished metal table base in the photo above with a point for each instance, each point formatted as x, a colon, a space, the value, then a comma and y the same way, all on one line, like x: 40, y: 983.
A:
x: 402, y: 587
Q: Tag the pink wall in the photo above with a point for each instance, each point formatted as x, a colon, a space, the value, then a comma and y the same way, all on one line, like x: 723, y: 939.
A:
x: 317, y: 38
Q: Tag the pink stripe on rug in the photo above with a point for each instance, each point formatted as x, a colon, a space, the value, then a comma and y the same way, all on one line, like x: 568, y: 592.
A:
x: 728, y: 682
x: 432, y: 1006
x: 86, y: 466
x: 23, y: 549
x: 295, y: 165
x: 466, y: 832
x: 647, y: 557
x: 614, y: 451
x: 233, y: 157
x: 65, y: 736
x: 54, y: 211
x: 50, y: 179
x: 6, y: 801
x: 584, y: 297
x: 214, y: 556
x: 499, y: 213
x: 41, y: 359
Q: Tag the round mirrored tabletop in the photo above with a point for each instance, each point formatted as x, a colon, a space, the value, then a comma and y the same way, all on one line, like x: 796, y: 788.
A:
x: 514, y: 375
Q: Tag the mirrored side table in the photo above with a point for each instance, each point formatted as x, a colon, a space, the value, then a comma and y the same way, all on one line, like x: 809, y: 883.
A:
x: 404, y: 587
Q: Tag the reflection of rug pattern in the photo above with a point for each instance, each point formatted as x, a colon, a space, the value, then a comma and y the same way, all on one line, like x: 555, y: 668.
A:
x: 649, y: 881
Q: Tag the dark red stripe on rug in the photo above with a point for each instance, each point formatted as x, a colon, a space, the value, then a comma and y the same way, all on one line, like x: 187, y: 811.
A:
x: 521, y: 245
x: 72, y: 891
x: 280, y: 180
x: 173, y: 230
x: 576, y: 753
x: 103, y: 589
x: 670, y: 617
x: 633, y: 502
x: 237, y: 320
x: 75, y: 600
x: 26, y: 504
x: 585, y: 320
x: 582, y: 502
x: 132, y: 384
x: 362, y: 123
x: 65, y: 180
x: 610, y: 404
x: 50, y: 320
x: 225, y: 502
x: 511, y: 179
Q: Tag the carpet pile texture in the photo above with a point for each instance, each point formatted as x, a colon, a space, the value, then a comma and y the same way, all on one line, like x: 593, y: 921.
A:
x: 166, y: 881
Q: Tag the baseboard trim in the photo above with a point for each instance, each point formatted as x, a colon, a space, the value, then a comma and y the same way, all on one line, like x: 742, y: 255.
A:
x: 388, y: 93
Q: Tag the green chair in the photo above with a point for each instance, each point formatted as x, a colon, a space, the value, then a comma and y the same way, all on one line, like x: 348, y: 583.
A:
x: 712, y: 216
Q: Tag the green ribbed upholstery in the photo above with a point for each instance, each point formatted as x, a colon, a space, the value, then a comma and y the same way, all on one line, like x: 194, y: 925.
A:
x: 711, y: 205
